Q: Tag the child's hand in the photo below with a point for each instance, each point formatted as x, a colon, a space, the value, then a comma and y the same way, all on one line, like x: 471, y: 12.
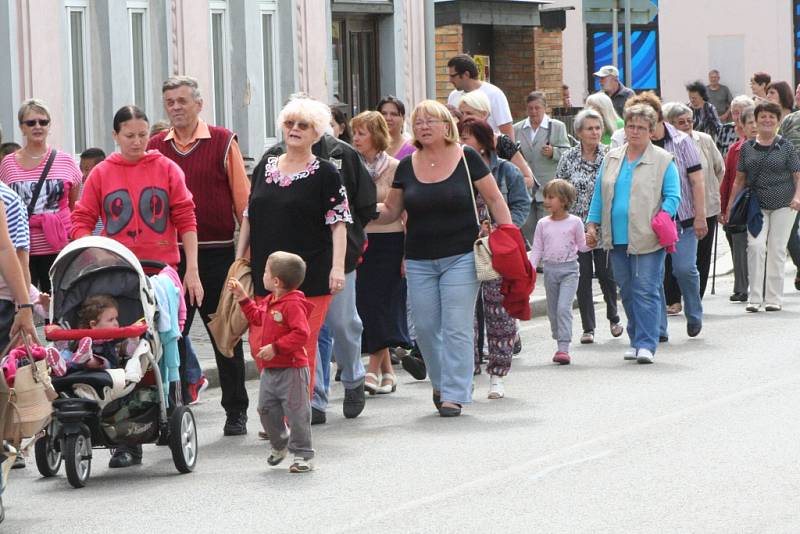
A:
x: 44, y: 300
x: 267, y: 352
x: 236, y: 288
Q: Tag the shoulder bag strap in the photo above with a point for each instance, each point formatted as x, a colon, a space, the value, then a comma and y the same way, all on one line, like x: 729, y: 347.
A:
x: 472, y: 192
x: 38, y: 188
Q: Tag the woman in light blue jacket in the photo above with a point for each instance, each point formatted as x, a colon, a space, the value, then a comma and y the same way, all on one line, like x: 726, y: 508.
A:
x: 501, y: 328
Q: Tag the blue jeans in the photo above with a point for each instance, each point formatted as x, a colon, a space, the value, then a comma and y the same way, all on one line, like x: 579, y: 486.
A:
x: 684, y: 269
x: 344, y: 325
x: 442, y: 294
x: 193, y: 369
x: 640, y: 278
x: 322, y: 373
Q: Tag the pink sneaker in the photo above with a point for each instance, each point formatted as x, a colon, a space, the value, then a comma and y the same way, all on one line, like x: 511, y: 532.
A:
x: 84, y: 352
x: 561, y: 358
x: 54, y: 360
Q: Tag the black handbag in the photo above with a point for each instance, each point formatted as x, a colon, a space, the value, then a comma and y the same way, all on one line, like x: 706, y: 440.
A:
x: 737, y: 222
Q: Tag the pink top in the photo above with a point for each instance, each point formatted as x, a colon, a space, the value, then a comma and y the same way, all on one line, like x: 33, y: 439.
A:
x: 558, y: 241
x: 54, y: 196
x: 405, y: 150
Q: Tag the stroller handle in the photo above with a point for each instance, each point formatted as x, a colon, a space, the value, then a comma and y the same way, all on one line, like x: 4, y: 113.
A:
x: 56, y: 333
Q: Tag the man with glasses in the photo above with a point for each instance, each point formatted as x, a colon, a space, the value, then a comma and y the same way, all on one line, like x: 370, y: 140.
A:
x: 215, y: 174
x: 463, y: 73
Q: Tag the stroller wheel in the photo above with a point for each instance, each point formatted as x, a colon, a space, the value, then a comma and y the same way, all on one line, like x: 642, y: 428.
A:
x: 48, y: 453
x: 78, y: 458
x: 183, y: 439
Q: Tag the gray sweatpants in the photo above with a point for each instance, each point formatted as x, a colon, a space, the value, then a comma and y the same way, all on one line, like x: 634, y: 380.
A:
x: 560, y: 286
x: 284, y: 392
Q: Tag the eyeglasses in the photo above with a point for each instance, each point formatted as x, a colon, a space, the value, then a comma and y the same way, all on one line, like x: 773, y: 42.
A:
x: 427, y: 122
x: 30, y: 123
x: 684, y: 122
x: 454, y: 74
x: 290, y: 124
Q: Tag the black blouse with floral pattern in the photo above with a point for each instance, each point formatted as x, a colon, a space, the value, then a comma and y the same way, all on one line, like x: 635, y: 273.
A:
x: 293, y: 213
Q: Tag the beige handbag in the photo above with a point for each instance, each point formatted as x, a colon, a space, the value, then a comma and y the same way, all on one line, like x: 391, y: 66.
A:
x: 483, y: 253
x: 30, y: 403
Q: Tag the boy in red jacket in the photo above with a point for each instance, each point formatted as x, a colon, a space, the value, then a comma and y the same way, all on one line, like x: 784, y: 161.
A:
x: 282, y: 360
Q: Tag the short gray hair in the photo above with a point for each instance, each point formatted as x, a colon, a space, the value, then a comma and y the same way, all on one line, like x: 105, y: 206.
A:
x: 533, y: 96
x: 33, y: 104
x: 581, y: 118
x: 642, y: 111
x: 746, y: 113
x: 742, y: 101
x: 673, y: 110
x: 173, y: 82
x: 311, y: 110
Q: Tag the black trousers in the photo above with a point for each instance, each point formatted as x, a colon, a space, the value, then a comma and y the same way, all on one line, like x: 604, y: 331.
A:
x: 40, y: 271
x: 705, y: 249
x: 214, y: 264
x: 589, y: 263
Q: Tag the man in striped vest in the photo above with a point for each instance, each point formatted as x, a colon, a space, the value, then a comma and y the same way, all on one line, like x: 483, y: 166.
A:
x: 215, y: 174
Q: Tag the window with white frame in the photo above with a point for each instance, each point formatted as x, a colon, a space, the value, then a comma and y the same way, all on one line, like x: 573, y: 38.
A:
x: 269, y: 43
x: 140, y: 52
x: 78, y: 80
x: 219, y: 63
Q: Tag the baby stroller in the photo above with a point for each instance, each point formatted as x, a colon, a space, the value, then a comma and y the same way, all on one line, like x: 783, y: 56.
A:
x: 108, y: 408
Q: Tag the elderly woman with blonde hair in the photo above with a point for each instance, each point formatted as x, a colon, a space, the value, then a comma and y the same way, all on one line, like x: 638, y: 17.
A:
x: 435, y: 186
x: 602, y: 104
x: 298, y: 204
x: 380, y: 291
x: 475, y: 105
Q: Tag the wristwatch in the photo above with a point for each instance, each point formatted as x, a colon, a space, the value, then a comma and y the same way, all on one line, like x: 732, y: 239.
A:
x: 21, y: 306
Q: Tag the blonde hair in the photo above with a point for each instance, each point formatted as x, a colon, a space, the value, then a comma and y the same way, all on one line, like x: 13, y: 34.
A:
x: 317, y: 114
x: 375, y: 125
x: 562, y: 189
x: 289, y: 268
x: 601, y: 103
x: 435, y: 110
x: 478, y: 101
x: 35, y: 105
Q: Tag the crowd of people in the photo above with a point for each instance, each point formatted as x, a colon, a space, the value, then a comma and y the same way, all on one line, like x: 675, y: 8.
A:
x: 352, y: 229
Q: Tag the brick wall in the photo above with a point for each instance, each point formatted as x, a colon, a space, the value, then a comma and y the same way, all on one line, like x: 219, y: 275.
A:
x: 525, y: 59
x: 549, y: 70
x: 449, y: 42
x: 513, y: 68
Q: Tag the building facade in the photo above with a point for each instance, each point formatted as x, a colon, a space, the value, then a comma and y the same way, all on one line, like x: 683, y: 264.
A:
x: 87, y: 58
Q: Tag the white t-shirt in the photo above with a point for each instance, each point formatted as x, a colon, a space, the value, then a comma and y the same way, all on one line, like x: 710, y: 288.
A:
x: 501, y: 113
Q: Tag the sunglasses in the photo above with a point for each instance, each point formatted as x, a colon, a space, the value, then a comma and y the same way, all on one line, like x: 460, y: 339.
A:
x: 303, y: 126
x: 30, y: 123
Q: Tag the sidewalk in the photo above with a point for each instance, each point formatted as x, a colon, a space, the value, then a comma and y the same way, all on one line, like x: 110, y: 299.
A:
x: 724, y: 267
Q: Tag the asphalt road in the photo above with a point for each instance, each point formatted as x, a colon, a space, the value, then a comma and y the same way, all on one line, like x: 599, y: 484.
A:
x: 705, y: 440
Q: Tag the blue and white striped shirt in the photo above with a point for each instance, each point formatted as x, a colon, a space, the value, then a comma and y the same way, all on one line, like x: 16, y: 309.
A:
x: 16, y: 217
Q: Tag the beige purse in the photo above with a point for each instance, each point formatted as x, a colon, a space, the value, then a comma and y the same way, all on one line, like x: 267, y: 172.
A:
x: 30, y: 403
x: 483, y: 253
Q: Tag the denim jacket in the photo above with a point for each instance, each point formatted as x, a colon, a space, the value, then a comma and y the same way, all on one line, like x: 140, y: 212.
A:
x: 512, y: 186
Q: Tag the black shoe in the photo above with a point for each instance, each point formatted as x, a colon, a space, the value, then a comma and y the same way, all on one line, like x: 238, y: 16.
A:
x: 354, y: 401
x: 517, y: 348
x: 235, y: 425
x: 738, y: 297
x: 437, y: 400
x: 693, y: 329
x: 338, y: 376
x: 318, y: 417
x: 125, y: 457
x: 19, y: 462
x: 797, y: 282
x: 663, y: 339
x: 450, y: 411
x: 414, y: 365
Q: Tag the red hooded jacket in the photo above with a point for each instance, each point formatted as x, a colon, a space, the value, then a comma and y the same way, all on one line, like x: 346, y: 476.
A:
x: 510, y: 259
x: 284, y: 323
x: 144, y: 205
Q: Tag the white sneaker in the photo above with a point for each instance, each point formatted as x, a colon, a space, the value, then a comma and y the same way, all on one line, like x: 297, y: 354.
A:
x: 630, y: 354
x: 301, y: 465
x: 277, y: 456
x: 644, y: 356
x: 496, y: 388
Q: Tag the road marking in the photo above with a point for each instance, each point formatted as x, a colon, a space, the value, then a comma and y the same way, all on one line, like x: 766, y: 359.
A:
x: 544, y: 472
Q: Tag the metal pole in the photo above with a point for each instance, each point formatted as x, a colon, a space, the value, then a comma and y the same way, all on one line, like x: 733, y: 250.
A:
x: 430, y: 50
x: 714, y: 265
x: 628, y: 71
x: 614, y: 33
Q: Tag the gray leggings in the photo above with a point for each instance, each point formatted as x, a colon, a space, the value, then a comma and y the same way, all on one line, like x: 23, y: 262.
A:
x: 560, y: 286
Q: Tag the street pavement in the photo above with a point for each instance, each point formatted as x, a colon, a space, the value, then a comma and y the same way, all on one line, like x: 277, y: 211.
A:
x: 704, y: 440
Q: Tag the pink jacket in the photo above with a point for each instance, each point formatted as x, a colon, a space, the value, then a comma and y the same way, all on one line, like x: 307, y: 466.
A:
x: 664, y: 227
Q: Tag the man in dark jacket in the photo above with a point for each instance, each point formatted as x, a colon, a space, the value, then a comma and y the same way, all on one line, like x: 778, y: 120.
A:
x: 342, y: 320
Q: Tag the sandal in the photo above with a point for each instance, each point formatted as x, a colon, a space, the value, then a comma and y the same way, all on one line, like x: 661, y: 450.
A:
x: 372, y: 387
x: 391, y: 387
x: 616, y: 329
x: 587, y: 337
